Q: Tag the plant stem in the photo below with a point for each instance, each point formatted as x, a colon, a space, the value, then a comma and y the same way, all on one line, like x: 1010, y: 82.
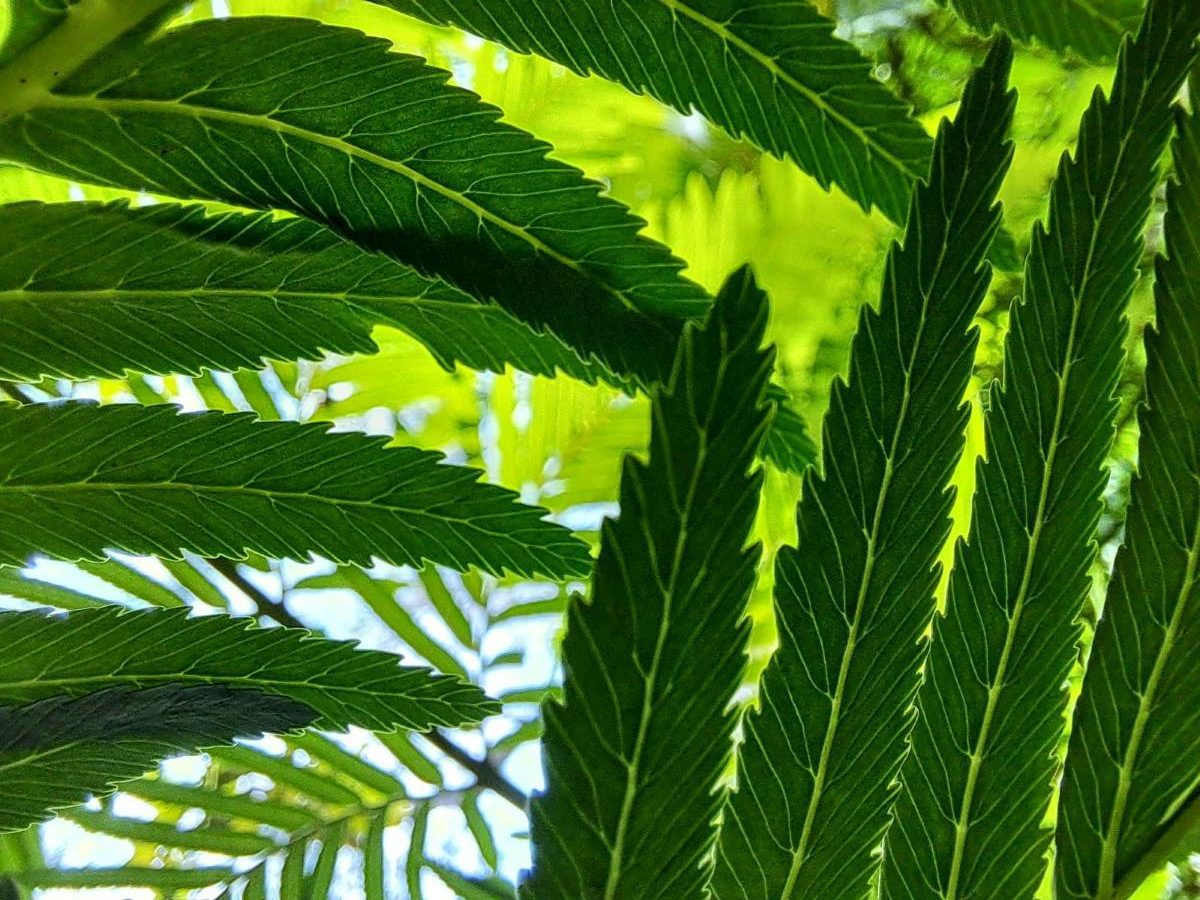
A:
x: 486, y: 774
x: 273, y: 609
x: 90, y: 26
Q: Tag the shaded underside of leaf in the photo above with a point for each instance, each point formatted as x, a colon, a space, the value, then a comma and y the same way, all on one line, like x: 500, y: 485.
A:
x: 816, y: 771
x: 89, y: 650
x: 769, y: 70
x: 56, y: 752
x: 79, y: 479
x: 289, y: 114
x: 978, y: 780
x: 92, y: 290
x: 634, y: 752
x: 1135, y: 741
x: 1092, y: 28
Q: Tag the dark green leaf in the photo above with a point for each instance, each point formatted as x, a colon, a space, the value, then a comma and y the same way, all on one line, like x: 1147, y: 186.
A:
x: 978, y: 780
x: 55, y: 752
x: 1135, y: 743
x: 816, y: 772
x: 634, y: 753
x: 325, y: 122
x: 89, y: 650
x: 1092, y: 28
x: 78, y: 479
x: 89, y: 291
x: 771, y: 70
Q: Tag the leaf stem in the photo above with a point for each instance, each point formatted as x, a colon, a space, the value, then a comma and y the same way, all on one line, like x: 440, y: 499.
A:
x: 89, y: 27
x: 485, y: 772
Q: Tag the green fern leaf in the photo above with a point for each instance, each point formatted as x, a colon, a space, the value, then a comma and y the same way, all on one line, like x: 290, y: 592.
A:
x: 90, y: 291
x: 1092, y: 28
x: 90, y: 650
x: 289, y: 114
x: 770, y: 70
x: 55, y: 752
x: 978, y: 780
x: 852, y: 599
x: 634, y: 752
x: 1136, y: 737
x: 78, y: 479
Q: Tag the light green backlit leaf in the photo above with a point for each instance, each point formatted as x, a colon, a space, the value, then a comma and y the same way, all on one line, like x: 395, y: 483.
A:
x: 978, y: 781
x: 634, y: 752
x: 1135, y: 743
x: 78, y: 479
x: 816, y: 771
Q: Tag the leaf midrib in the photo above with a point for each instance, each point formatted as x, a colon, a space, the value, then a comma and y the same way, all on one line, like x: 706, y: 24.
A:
x: 612, y: 882
x: 995, y: 689
x: 1108, y: 855
x: 114, y: 106
x: 129, y: 294
x: 780, y: 74
x: 241, y: 490
x: 799, y: 856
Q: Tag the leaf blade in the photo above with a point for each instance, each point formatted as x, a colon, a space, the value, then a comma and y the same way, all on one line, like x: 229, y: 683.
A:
x: 87, y: 651
x: 772, y: 71
x: 169, y: 289
x: 991, y: 706
x: 671, y: 567
x: 56, y: 751
x: 853, y: 597
x: 378, y: 147
x: 1135, y: 732
x: 1094, y: 30
x: 149, y: 481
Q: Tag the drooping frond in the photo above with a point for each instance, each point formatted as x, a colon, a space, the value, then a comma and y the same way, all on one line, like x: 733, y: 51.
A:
x: 852, y: 599
x: 79, y: 479
x: 90, y: 290
x: 279, y: 113
x: 978, y: 781
x: 1132, y: 770
x: 55, y: 752
x: 771, y: 70
x: 1092, y: 29
x: 634, y: 752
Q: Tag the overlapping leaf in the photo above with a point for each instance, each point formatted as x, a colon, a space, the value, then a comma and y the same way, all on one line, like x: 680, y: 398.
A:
x: 78, y: 479
x: 89, y: 650
x: 1092, y: 28
x: 771, y: 70
x: 634, y: 752
x: 325, y: 122
x: 89, y: 290
x: 1135, y: 741
x: 816, y: 770
x: 55, y: 752
x: 978, y: 780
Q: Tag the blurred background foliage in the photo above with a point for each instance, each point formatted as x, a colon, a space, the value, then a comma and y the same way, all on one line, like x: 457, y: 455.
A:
x: 441, y: 815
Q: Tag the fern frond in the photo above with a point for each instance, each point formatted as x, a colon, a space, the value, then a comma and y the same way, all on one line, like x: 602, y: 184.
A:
x: 634, y: 752
x: 1135, y: 742
x: 816, y: 769
x: 978, y: 780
